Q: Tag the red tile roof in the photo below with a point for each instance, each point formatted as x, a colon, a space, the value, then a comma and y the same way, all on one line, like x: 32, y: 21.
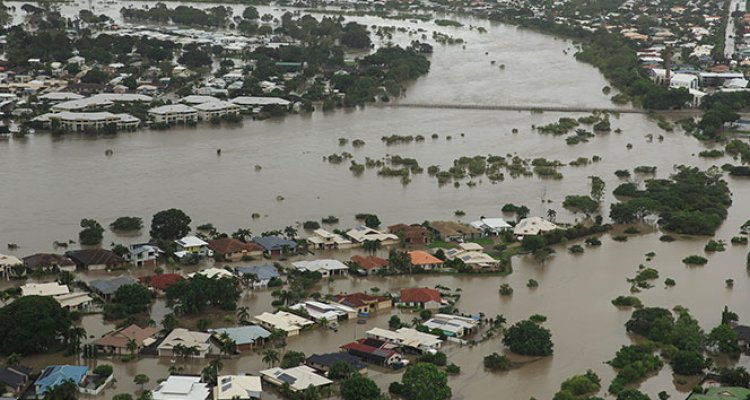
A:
x: 163, y: 281
x: 420, y: 295
x: 419, y: 257
x: 229, y: 245
x: 358, y: 299
x: 369, y: 262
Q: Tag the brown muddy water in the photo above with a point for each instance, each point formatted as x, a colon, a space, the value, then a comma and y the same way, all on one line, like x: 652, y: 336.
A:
x: 51, y: 183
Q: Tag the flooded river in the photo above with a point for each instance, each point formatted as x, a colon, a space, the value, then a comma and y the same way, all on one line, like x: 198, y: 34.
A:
x: 51, y: 183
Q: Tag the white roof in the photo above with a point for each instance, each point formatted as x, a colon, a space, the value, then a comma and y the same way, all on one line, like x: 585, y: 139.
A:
x: 187, y: 338
x: 259, y: 101
x: 172, y: 109
x: 494, y: 224
x: 9, y: 261
x: 363, y: 233
x: 80, y: 104
x: 73, y: 299
x: 471, y: 246
x: 406, y: 337
x: 318, y: 310
x: 181, y: 388
x: 86, y: 116
x: 317, y: 265
x: 60, y: 96
x: 215, y: 106
x: 123, y: 97
x: 191, y: 241
x: 237, y: 386
x: 197, y: 99
x: 450, y: 323
x: 322, y: 236
x: 44, y: 289
x: 213, y: 272
x: 283, y: 320
x: 533, y: 226
x: 299, y: 378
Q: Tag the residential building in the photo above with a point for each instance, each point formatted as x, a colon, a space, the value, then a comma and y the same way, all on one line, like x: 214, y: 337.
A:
x: 364, y: 233
x: 181, y: 387
x: 325, y: 312
x: 743, y: 336
x: 491, y: 226
x: 246, y: 337
x: 213, y: 272
x: 424, y: 260
x: 452, y: 325
x: 75, y: 301
x: 143, y: 255
x: 57, y: 374
x: 289, y: 323
x: 46, y: 262
x: 106, y: 288
x: 237, y: 387
x: 96, y: 259
x: 299, y: 378
x: 533, y: 226
x: 261, y: 274
x: 323, y: 362
x: 194, y: 245
x: 198, y: 99
x: 426, y: 298
x: 198, y: 341
x: 235, y: 250
x: 451, y: 231
x: 252, y: 102
x: 369, y: 264
x: 324, y: 240
x: 15, y: 377
x: 412, y: 234
x: 374, y: 351
x: 117, y: 342
x: 54, y: 97
x: 44, y: 289
x: 162, y: 281
x: 326, y: 268
x: 364, y: 303
x: 173, y: 113
x: 216, y: 109
x: 275, y: 245
x: 477, y: 260
x: 408, y: 338
x: 88, y: 121
x: 11, y: 267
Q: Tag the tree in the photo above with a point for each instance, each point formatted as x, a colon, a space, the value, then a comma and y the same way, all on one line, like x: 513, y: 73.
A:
x: 497, y: 362
x: 529, y: 339
x: 292, y: 359
x: 32, y: 324
x: 92, y: 232
x: 688, y: 362
x: 340, y: 370
x: 632, y: 394
x: 358, y: 387
x: 95, y: 75
x: 532, y: 243
x: 65, y: 390
x: 135, y: 298
x: 737, y: 376
x: 597, y: 188
x: 195, y: 59
x: 371, y: 246
x: 270, y: 357
x: 169, y: 225
x: 290, y: 232
x: 192, y: 296
x: 651, y: 322
x: 141, y: 379
x: 243, y: 315
x: 724, y: 338
x: 424, y: 381
x: 250, y: 13
x: 169, y: 322
x: 126, y: 224
x: 132, y: 346
x: 372, y: 221
x: 581, y: 204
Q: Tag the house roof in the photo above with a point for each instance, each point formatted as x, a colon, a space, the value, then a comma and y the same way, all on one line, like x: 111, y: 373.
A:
x: 45, y: 260
x: 358, y: 299
x: 411, y: 232
x: 110, y: 286
x: 420, y: 295
x: 533, y: 226
x: 371, y: 346
x: 163, y: 281
x: 186, y: 338
x: 9, y: 260
x: 230, y: 245
x: 299, y: 378
x: 94, y: 257
x: 419, y: 257
x: 15, y: 375
x: 243, y: 334
x: 44, y: 289
x: 191, y: 241
x: 364, y: 233
x: 172, y: 109
x: 57, y: 374
x: 328, y: 359
x: 197, y: 99
x: 213, y: 272
x: 283, y: 320
x: 743, y: 332
x: 369, y: 262
x: 274, y: 243
x: 178, y: 387
x: 317, y: 265
x: 238, y: 387
x: 259, y: 101
x: 493, y: 224
x: 262, y: 272
x: 120, y: 338
x: 452, y: 228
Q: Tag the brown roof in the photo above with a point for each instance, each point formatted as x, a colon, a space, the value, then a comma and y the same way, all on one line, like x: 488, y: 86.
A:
x: 45, y: 260
x: 414, y: 233
x: 229, y: 245
x: 119, y: 339
x: 451, y: 228
x: 358, y: 299
x: 94, y: 257
x: 369, y: 262
x: 420, y: 295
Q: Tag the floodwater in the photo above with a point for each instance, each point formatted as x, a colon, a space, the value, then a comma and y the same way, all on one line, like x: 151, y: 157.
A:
x: 51, y: 183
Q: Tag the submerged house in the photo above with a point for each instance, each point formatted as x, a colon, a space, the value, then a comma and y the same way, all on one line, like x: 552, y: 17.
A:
x: 49, y: 262
x: 235, y: 250
x: 96, y: 259
x: 245, y: 337
x: 261, y: 274
x: 275, y: 245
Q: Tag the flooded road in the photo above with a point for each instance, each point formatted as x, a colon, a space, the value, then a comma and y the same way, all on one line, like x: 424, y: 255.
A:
x: 51, y: 183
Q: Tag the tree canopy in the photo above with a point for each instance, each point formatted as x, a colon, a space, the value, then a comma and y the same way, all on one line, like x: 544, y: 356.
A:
x: 529, y: 339
x: 191, y: 296
x: 32, y: 324
x: 170, y: 224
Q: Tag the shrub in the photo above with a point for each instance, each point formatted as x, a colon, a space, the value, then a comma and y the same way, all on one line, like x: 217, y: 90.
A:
x: 330, y: 220
x: 126, y: 224
x: 626, y: 301
x: 631, y: 230
x: 532, y: 283
x: 529, y: 339
x: 669, y: 282
x: 666, y: 238
x: 452, y: 369
x: 695, y: 260
x: 538, y: 318
x: 576, y: 249
x: 714, y: 246
x: 620, y: 238
x: 311, y: 225
x: 593, y: 241
x: 739, y: 240
x: 497, y: 362
x: 506, y: 290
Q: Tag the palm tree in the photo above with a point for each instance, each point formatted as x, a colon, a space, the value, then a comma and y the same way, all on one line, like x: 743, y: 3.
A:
x: 13, y: 359
x: 371, y: 246
x: 66, y: 390
x: 243, y: 234
x: 132, y: 346
x: 270, y: 357
x: 175, y: 369
x: 243, y: 315
x: 290, y: 232
x: 324, y: 322
x: 178, y: 350
x: 74, y: 337
x: 228, y: 346
x: 551, y: 215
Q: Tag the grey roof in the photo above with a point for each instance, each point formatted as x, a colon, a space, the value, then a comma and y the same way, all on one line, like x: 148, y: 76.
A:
x: 329, y: 359
x: 743, y: 332
x: 110, y: 286
x: 262, y: 272
x: 244, y: 334
x: 271, y: 243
